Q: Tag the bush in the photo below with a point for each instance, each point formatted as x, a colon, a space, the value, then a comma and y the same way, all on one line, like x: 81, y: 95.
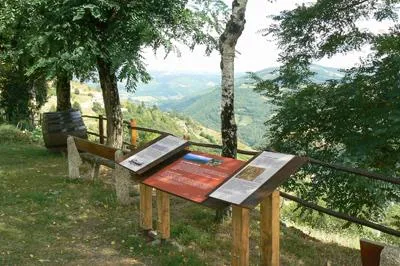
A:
x: 97, y: 108
x: 76, y: 106
x: 37, y: 135
x: 11, y: 134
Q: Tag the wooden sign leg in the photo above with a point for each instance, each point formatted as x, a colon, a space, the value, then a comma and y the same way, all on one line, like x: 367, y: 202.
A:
x: 163, y: 214
x: 240, y: 227
x: 270, y: 230
x: 146, y: 207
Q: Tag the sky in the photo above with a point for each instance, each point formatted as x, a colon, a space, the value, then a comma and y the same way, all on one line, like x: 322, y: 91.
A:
x: 256, y: 52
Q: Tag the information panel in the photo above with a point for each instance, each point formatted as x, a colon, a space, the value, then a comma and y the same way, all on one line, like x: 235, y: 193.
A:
x: 251, y: 177
x: 142, y: 160
x: 194, y: 175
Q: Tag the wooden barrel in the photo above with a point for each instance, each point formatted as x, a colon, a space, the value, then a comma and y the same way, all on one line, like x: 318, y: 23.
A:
x: 56, y: 126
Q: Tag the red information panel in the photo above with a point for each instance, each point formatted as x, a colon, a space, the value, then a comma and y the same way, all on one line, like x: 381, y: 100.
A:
x: 194, y: 175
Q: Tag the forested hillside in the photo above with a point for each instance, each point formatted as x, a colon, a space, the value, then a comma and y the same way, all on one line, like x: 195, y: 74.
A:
x: 89, y: 100
x: 251, y: 109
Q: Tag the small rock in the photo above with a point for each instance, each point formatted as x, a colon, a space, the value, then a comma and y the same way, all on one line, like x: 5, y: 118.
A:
x: 176, y: 244
x: 152, y: 234
x: 156, y: 242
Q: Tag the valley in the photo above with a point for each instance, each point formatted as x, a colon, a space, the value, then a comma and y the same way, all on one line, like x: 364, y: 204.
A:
x: 198, y: 96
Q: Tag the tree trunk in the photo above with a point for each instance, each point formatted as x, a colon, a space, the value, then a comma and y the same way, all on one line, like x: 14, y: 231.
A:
x: 228, y: 40
x: 63, y: 91
x: 32, y: 106
x: 227, y: 44
x: 112, y: 105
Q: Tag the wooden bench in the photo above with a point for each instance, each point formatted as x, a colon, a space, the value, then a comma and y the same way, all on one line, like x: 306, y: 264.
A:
x: 80, y: 150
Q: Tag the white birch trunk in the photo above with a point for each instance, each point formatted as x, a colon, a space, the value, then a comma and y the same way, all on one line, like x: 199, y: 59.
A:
x: 227, y: 45
x: 228, y: 40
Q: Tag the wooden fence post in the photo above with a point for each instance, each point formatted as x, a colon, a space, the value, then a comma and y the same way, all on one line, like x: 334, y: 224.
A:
x: 146, y: 207
x: 163, y: 214
x: 101, y: 129
x: 269, y: 224
x: 240, y: 237
x: 134, y: 135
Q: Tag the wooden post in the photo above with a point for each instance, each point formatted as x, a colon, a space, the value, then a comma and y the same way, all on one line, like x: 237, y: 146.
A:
x: 146, y: 207
x: 163, y: 214
x: 101, y: 129
x: 240, y: 228
x: 270, y: 230
x: 134, y: 135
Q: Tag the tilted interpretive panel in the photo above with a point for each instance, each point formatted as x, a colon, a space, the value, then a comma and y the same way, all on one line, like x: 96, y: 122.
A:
x: 153, y: 154
x: 258, y: 178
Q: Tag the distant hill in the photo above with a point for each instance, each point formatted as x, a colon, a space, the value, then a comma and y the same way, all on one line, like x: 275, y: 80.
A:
x: 251, y: 109
x: 166, y: 86
x: 197, y: 95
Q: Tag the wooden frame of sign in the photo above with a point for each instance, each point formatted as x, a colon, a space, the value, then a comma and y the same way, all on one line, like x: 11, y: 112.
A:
x: 268, y: 198
x: 264, y: 194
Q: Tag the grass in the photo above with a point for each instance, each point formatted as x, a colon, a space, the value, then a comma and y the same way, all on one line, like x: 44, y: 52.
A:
x: 46, y: 220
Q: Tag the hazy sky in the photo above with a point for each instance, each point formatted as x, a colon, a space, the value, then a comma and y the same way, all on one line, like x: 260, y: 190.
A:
x: 256, y: 52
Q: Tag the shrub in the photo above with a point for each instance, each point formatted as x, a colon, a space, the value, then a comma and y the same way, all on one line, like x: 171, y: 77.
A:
x: 97, y: 108
x: 76, y: 106
x: 11, y: 134
x: 37, y: 135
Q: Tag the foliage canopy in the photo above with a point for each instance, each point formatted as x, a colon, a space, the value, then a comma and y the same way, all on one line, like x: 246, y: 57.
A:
x: 353, y: 120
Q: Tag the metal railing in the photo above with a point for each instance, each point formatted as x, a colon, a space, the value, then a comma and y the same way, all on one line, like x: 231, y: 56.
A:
x: 304, y: 203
